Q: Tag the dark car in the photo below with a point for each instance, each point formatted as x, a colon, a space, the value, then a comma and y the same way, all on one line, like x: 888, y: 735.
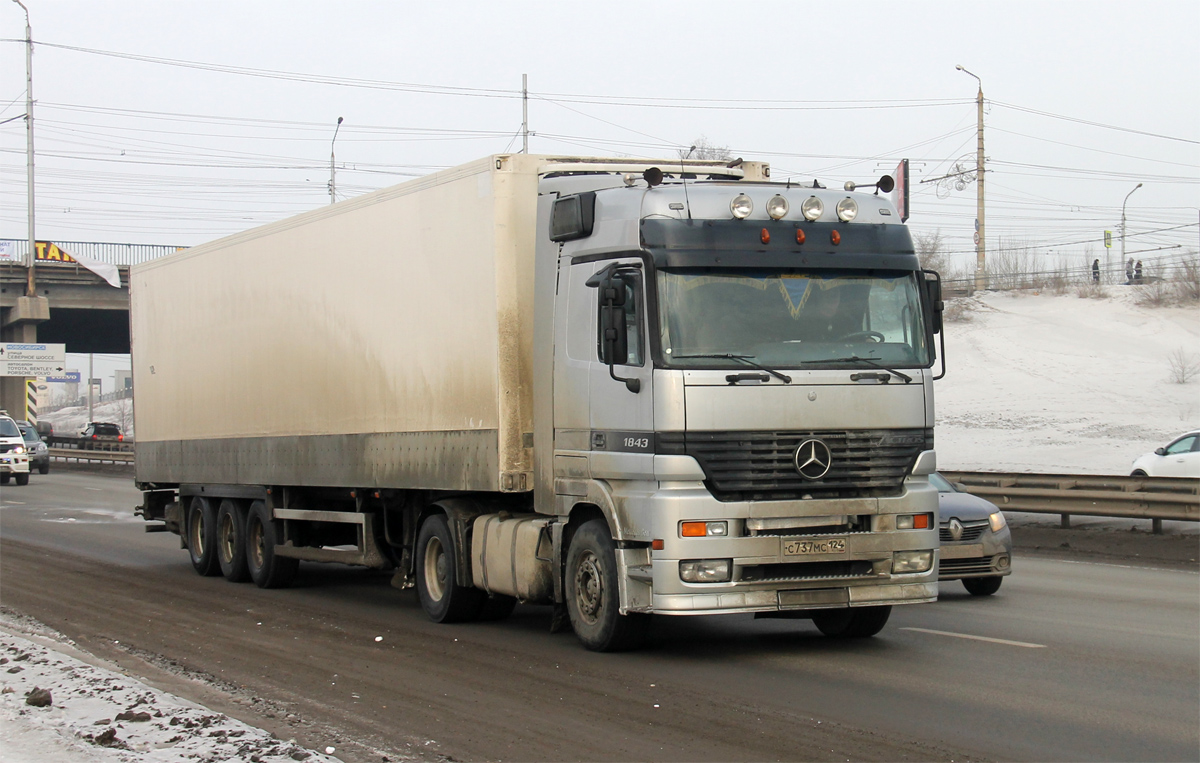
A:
x: 39, y: 454
x: 976, y: 542
x: 101, y: 435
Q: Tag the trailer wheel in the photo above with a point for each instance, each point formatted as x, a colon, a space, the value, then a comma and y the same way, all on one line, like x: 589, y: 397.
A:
x: 263, y: 532
x: 442, y: 598
x: 860, y: 622
x: 231, y: 542
x: 202, y: 536
x: 593, y: 599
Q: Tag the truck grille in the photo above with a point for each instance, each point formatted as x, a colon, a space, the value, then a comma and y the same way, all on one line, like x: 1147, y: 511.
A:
x: 797, y: 571
x: 759, y: 466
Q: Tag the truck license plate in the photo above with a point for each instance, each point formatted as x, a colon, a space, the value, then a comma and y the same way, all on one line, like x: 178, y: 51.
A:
x: 814, y: 547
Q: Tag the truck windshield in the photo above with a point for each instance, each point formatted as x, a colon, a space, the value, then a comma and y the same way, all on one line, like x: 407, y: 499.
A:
x: 790, y: 318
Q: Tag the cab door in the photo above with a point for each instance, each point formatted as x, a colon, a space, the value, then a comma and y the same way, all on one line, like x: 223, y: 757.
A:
x: 611, y: 324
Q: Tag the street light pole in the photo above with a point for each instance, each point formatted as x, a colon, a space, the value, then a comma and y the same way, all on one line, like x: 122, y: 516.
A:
x: 30, y: 285
x: 981, y: 239
x: 1139, y: 185
x: 332, y: 170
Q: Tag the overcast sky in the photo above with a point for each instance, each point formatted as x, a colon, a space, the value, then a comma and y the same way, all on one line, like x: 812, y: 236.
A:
x: 149, y: 127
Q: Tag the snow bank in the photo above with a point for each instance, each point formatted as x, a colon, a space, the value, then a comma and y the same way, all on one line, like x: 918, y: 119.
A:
x: 99, y: 716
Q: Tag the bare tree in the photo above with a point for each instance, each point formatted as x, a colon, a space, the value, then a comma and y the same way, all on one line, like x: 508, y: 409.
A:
x: 1184, y: 365
x: 931, y: 251
x: 702, y: 149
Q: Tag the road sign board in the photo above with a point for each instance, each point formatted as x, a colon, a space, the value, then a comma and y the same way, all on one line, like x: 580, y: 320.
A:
x: 70, y: 377
x: 32, y: 359
x: 1108, y: 239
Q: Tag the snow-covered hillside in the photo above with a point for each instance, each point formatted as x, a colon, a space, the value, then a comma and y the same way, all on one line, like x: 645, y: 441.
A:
x: 1056, y: 383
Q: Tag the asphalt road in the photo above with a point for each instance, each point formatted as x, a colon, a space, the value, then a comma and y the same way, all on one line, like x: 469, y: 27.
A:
x: 1069, y: 661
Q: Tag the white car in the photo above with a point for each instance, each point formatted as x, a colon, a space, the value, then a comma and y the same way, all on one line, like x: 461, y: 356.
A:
x: 1181, y: 458
x: 14, y: 459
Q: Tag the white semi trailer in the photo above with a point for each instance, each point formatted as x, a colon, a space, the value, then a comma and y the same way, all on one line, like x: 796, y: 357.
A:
x: 618, y: 387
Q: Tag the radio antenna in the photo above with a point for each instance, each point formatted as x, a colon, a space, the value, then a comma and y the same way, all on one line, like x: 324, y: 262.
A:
x: 683, y: 176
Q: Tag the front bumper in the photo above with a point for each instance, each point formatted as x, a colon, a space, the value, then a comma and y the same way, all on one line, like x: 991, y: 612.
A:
x: 14, y: 464
x: 763, y: 577
x: 989, y: 556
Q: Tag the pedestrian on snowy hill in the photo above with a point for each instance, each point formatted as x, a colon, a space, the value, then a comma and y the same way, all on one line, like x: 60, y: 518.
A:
x: 1129, y: 271
x: 1137, y: 272
x: 1096, y: 271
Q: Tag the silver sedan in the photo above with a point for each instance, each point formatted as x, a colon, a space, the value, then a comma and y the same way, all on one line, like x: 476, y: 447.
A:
x: 976, y: 542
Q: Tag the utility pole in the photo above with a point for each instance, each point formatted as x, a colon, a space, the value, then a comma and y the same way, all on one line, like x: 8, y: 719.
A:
x: 1123, y: 203
x: 524, y: 113
x: 332, y: 169
x: 980, y: 237
x: 30, y: 256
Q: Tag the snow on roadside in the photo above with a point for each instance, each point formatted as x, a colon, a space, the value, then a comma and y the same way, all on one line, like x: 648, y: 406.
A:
x: 100, y: 716
x: 1058, y: 384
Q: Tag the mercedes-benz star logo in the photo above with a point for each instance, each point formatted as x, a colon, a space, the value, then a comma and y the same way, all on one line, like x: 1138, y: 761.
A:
x: 813, y: 459
x: 956, y: 529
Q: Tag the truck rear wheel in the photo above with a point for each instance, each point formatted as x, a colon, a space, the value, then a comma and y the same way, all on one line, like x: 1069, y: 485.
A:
x: 231, y: 541
x: 263, y: 532
x: 593, y: 599
x: 202, y: 536
x: 442, y: 598
x: 859, y: 622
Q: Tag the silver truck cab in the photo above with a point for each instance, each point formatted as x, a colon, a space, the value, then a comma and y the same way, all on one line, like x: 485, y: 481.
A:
x: 761, y: 438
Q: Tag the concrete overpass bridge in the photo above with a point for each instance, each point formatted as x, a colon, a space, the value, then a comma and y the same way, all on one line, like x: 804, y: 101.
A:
x: 71, y: 304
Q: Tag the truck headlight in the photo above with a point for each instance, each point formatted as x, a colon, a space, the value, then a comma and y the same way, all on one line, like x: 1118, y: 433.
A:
x: 905, y: 562
x: 847, y: 209
x: 811, y: 208
x: 997, y: 522
x: 705, y: 570
x: 777, y: 207
x: 741, y: 206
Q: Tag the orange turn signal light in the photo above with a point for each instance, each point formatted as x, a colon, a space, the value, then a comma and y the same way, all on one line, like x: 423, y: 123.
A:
x: 921, y: 522
x: 835, y: 237
x: 799, y: 236
x: 694, y: 529
x: 657, y: 544
x: 765, y: 236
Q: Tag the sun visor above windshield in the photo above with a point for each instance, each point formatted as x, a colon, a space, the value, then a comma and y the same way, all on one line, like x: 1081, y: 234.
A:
x: 734, y: 243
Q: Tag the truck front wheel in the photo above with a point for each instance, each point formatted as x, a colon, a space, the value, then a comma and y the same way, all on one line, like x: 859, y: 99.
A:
x: 231, y: 542
x: 442, y: 598
x: 593, y: 599
x: 859, y: 622
x: 202, y: 536
x: 263, y: 532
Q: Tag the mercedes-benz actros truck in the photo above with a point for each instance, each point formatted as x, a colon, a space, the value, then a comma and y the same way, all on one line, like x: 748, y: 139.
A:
x: 619, y: 387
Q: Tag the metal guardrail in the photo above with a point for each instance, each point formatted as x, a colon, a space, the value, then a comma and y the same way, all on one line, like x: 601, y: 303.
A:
x: 102, y: 456
x: 1154, y: 498
x: 72, y: 442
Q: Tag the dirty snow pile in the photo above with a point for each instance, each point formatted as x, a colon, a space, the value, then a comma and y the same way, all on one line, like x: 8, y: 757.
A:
x: 54, y: 707
x: 1059, y: 384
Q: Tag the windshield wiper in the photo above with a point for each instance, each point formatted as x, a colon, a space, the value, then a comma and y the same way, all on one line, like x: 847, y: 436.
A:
x: 907, y: 379
x: 745, y: 359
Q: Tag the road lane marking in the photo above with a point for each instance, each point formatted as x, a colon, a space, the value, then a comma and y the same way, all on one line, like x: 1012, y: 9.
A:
x: 977, y: 638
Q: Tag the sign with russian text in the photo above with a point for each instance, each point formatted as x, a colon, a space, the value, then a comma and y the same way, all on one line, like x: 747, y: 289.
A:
x: 32, y: 359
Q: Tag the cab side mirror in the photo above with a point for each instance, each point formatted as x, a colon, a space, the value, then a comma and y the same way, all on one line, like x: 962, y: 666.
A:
x: 613, y: 294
